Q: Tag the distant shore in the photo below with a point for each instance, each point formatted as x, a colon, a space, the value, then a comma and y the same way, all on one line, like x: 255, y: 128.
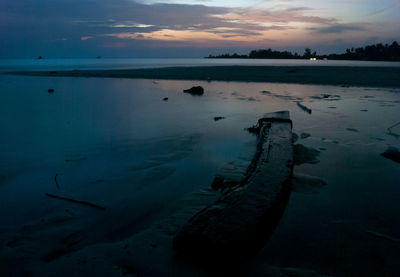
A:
x: 322, y: 75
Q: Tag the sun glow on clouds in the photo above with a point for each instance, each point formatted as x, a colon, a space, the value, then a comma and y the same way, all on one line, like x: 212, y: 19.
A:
x: 277, y: 22
x: 187, y: 35
x: 245, y: 25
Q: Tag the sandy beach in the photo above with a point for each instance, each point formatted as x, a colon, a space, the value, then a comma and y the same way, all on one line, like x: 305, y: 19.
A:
x: 150, y: 162
x: 322, y: 75
x: 175, y: 138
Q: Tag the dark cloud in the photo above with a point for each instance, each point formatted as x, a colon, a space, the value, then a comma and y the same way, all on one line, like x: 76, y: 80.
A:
x: 338, y: 28
x: 75, y: 28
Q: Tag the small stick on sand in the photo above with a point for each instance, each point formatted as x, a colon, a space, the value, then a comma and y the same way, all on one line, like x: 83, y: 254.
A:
x: 55, y: 180
x: 304, y: 108
x: 76, y: 201
x: 398, y: 123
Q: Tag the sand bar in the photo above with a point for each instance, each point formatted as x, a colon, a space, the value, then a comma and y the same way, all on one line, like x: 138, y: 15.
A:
x: 322, y: 75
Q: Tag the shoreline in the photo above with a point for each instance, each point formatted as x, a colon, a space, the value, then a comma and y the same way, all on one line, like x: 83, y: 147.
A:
x: 319, y: 75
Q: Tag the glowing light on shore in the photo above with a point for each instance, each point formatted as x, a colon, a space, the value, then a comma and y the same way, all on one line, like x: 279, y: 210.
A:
x: 86, y: 37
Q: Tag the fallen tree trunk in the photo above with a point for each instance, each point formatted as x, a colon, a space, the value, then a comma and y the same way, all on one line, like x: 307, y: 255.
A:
x: 241, y: 221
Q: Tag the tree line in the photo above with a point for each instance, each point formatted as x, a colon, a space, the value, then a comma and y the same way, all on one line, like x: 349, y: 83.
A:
x: 376, y: 52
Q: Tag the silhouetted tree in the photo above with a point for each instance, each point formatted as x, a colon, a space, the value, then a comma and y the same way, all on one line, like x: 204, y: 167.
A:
x: 378, y: 52
x: 307, y: 53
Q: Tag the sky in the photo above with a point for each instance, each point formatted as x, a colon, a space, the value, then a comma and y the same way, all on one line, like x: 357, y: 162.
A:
x: 190, y: 28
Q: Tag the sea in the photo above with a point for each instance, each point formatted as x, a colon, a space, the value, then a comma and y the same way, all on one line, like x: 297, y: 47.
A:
x: 143, y: 149
x: 108, y: 63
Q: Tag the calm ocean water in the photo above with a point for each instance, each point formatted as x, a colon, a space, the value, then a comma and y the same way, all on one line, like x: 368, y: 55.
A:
x: 69, y: 64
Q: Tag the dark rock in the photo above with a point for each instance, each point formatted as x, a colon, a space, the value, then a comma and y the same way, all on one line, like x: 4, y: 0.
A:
x: 218, y: 182
x: 216, y: 118
x: 165, y: 98
x: 50, y: 90
x: 392, y: 153
x: 195, y: 90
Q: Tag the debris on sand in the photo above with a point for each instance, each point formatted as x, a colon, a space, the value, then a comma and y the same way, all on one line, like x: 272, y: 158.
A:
x: 303, y: 154
x: 382, y: 236
x: 216, y: 118
x: 50, y: 90
x: 304, y: 135
x: 250, y: 99
x: 392, y: 153
x: 198, y: 90
x: 219, y: 182
x: 394, y: 125
x: 304, y: 108
x: 352, y: 129
x: 76, y: 201
x: 280, y: 96
x: 56, y: 181
x: 325, y: 96
x: 390, y: 133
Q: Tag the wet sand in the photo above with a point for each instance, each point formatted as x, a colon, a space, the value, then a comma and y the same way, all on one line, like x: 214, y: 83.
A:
x: 150, y: 163
x: 322, y: 75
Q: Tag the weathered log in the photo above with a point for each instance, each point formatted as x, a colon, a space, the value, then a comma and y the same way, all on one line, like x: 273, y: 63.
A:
x: 241, y: 221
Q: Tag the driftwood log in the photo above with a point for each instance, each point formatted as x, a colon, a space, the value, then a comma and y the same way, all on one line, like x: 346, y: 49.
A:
x: 241, y: 221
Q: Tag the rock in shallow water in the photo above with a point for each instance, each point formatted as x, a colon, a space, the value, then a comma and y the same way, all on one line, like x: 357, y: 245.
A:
x: 392, y: 153
x: 195, y: 90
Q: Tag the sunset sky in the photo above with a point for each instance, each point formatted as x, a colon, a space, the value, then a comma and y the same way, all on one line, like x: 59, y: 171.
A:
x: 190, y: 28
